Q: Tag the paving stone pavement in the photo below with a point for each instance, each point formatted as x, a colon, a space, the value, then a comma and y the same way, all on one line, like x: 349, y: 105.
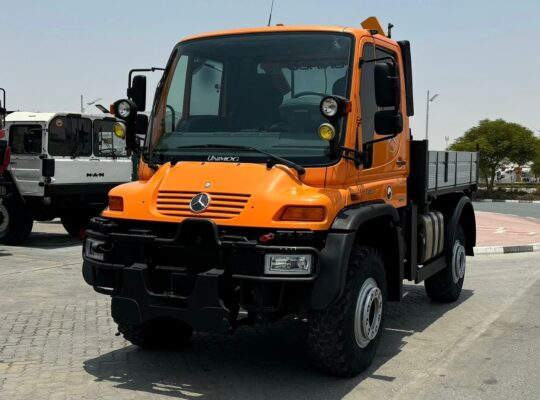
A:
x: 57, y: 340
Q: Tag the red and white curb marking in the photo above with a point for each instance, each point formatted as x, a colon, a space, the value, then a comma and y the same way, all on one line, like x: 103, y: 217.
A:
x: 527, y: 248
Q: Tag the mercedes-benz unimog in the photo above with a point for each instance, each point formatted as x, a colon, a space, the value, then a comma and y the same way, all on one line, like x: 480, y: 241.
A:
x: 62, y: 165
x: 280, y: 177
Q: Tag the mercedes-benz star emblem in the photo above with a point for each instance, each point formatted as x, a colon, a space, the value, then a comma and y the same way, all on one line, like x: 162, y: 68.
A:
x: 199, y: 203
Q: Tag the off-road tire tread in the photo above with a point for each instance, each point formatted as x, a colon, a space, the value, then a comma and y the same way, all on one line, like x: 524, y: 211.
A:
x: 326, y: 334
x: 441, y: 287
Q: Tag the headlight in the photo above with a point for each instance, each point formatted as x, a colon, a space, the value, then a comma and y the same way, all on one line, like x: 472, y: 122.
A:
x: 288, y: 264
x: 120, y: 130
x: 94, y: 249
x: 124, y: 109
x: 327, y: 131
x: 335, y: 107
x: 329, y: 107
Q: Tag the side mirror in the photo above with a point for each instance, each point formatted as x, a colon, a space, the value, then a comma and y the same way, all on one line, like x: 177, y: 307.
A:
x: 137, y: 91
x: 388, y: 122
x: 141, y: 124
x: 387, y: 90
x: 387, y: 95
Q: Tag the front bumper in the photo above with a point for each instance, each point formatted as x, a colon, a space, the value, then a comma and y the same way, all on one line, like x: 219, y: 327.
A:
x: 203, y: 278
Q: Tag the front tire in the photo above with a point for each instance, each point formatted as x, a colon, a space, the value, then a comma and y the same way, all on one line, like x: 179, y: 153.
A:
x: 445, y: 286
x: 16, y: 223
x: 76, y: 224
x: 156, y: 335
x: 343, y: 339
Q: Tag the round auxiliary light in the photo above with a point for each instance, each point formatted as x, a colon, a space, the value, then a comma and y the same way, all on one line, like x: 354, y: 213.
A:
x: 327, y: 131
x: 119, y: 130
x: 329, y: 107
x: 124, y: 109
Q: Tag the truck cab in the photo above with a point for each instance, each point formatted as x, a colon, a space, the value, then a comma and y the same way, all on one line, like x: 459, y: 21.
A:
x: 279, y: 177
x: 62, y: 165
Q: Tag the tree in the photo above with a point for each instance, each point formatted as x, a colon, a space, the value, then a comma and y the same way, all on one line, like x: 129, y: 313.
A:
x: 499, y: 142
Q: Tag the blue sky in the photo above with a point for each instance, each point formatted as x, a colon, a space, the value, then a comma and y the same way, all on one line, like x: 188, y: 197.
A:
x: 482, y: 57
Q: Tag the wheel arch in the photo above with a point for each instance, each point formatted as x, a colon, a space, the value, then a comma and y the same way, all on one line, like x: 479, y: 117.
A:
x: 458, y: 210
x: 362, y: 224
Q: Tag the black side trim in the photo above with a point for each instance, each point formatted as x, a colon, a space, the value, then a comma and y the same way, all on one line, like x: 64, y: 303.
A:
x: 463, y: 213
x: 431, y: 268
x: 405, y: 47
x: 80, y: 188
x: 333, y: 263
x: 351, y: 218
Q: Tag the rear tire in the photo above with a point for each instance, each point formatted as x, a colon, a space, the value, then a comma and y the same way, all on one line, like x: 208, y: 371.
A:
x: 343, y: 339
x: 445, y: 286
x: 156, y: 335
x: 16, y: 223
x: 76, y: 224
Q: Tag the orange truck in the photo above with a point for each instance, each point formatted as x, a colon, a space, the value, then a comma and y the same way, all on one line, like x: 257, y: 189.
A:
x: 279, y: 177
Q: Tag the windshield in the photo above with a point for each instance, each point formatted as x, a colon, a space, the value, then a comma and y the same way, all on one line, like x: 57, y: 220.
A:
x: 73, y: 136
x: 106, y: 143
x: 261, y: 91
x: 70, y: 136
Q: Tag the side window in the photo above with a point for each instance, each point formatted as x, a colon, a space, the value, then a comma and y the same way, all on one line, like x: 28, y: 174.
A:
x: 25, y: 139
x: 175, y: 98
x: 367, y: 96
x: 205, y: 87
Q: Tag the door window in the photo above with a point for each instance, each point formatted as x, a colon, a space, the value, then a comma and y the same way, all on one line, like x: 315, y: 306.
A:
x: 368, y: 105
x: 25, y: 139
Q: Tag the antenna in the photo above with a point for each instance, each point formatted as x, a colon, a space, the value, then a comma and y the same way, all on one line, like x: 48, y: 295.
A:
x: 270, y: 17
x: 390, y: 26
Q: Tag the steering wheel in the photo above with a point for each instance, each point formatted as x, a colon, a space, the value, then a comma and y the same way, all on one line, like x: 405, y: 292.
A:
x: 309, y: 94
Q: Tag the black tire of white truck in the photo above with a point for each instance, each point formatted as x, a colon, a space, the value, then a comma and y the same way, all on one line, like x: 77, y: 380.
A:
x: 76, y: 224
x: 343, y: 339
x: 16, y: 223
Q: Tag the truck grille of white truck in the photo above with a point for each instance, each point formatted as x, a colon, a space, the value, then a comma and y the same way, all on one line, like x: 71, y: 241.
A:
x: 222, y: 205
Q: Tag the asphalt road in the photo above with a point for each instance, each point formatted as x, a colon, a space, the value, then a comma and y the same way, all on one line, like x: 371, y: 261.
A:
x: 521, y: 209
x: 57, y: 341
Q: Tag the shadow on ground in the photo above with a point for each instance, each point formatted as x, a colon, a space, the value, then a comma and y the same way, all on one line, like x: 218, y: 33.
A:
x: 259, y: 362
x: 43, y: 240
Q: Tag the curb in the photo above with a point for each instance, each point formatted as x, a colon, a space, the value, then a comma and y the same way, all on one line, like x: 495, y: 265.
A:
x: 528, y: 248
x: 507, y: 201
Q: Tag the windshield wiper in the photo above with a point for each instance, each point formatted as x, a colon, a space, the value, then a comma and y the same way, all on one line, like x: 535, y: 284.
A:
x: 273, y: 159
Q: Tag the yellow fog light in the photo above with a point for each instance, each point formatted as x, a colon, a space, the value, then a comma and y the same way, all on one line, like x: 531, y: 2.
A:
x: 327, y: 131
x: 119, y: 130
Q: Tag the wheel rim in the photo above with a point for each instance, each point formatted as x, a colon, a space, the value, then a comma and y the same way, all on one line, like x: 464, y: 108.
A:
x: 368, y: 314
x: 4, y: 220
x: 458, y: 261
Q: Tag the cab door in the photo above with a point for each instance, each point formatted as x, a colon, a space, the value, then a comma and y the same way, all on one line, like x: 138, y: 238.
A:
x: 26, y: 142
x: 384, y: 173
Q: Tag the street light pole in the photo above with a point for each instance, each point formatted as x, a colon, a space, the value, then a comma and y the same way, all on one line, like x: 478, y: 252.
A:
x: 429, y: 100
x: 88, y: 104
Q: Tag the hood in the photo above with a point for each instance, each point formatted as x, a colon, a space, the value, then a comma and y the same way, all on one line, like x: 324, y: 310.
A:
x: 240, y: 194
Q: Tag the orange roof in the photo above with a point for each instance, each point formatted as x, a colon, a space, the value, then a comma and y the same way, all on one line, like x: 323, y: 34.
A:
x: 277, y: 29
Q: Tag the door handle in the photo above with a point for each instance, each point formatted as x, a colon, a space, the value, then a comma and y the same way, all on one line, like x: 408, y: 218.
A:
x: 400, y: 162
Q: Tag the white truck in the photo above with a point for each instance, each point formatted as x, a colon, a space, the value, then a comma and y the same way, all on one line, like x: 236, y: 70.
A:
x: 62, y: 165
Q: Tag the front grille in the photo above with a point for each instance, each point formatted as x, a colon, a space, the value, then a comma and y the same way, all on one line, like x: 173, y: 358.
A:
x: 222, y: 205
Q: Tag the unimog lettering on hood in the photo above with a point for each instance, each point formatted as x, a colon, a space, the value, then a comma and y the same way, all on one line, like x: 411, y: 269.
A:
x: 223, y: 158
